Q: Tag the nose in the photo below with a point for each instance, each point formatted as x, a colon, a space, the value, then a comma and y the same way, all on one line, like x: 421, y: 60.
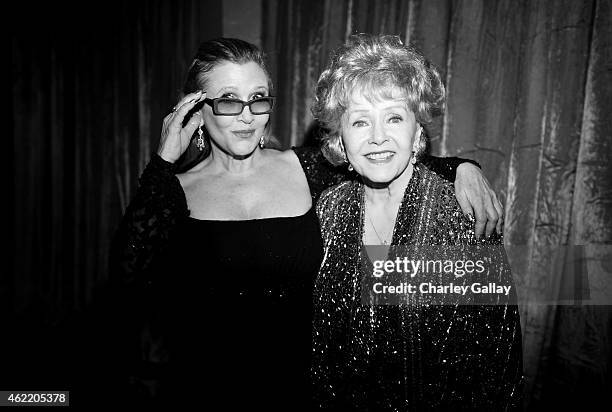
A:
x: 379, y: 135
x: 246, y: 116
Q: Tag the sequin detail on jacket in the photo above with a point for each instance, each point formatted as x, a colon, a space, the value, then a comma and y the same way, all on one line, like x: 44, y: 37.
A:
x: 413, y: 356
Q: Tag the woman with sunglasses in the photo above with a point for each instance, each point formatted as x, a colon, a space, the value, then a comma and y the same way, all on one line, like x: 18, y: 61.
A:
x: 223, y: 233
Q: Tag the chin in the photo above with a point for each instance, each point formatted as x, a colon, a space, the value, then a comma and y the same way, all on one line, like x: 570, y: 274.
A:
x: 244, y: 148
x: 380, y: 176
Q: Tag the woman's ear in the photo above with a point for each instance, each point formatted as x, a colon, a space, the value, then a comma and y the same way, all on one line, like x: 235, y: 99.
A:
x: 417, y: 142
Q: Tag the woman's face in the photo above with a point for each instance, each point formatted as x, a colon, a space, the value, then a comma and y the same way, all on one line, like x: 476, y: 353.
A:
x: 236, y: 135
x: 378, y: 136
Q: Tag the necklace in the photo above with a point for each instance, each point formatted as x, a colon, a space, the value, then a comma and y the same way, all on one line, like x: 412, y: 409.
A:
x: 384, y: 242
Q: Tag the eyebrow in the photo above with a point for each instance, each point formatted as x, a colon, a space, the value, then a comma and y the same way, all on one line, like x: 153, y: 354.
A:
x: 234, y: 88
x: 395, y: 106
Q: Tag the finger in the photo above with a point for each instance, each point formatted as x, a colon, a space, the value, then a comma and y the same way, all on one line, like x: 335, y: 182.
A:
x: 500, y: 211
x: 187, y: 98
x: 193, y: 124
x: 464, y: 204
x: 182, y: 111
x: 481, y: 219
x: 492, y: 217
x: 168, y: 118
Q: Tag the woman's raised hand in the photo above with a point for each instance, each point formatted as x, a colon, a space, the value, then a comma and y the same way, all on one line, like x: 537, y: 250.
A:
x: 175, y: 137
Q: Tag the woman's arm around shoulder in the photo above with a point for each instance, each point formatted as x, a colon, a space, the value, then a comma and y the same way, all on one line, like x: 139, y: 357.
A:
x: 472, y: 190
x: 320, y: 173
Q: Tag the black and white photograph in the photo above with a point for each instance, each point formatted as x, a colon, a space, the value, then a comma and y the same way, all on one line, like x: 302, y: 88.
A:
x: 309, y: 205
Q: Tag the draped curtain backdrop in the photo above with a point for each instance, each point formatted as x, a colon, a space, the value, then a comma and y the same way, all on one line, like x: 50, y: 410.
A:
x: 91, y: 83
x: 90, y: 88
x: 529, y: 97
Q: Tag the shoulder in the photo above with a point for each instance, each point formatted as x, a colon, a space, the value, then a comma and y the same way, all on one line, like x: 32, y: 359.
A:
x: 285, y: 156
x: 335, y: 197
x: 338, y: 192
x: 440, y: 192
x: 442, y: 189
x: 282, y: 161
x: 439, y: 199
x: 194, y: 174
x: 313, y: 162
x: 319, y: 172
x: 310, y: 159
x: 334, y: 205
x: 440, y: 202
x: 307, y: 154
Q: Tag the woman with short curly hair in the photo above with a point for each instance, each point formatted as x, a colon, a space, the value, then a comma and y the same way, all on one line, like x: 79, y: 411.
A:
x: 373, y: 67
x: 419, y: 352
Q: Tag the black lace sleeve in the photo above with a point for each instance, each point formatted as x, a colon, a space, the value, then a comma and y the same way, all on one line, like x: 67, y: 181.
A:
x: 321, y: 174
x: 143, y: 232
x: 445, y: 166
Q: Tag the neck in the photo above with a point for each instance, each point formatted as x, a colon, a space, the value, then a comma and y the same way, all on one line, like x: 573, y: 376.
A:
x: 377, y: 193
x: 225, y: 162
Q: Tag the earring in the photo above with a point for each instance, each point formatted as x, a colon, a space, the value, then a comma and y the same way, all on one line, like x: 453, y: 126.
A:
x: 200, y: 143
x: 350, y: 167
x: 261, y: 142
x: 418, y: 147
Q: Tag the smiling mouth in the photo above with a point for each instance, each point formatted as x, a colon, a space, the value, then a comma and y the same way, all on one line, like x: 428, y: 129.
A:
x: 244, y: 133
x: 380, y: 157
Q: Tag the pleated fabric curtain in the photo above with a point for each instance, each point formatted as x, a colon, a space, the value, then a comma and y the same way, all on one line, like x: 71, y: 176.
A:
x: 90, y: 87
x: 529, y: 97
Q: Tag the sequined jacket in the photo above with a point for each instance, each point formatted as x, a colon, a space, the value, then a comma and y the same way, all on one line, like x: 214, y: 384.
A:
x: 409, y: 356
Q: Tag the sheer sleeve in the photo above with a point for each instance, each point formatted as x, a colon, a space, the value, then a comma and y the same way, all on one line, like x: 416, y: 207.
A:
x: 321, y: 174
x: 148, y: 221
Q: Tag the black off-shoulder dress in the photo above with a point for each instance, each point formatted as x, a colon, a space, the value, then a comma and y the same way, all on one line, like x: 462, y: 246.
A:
x: 231, y: 300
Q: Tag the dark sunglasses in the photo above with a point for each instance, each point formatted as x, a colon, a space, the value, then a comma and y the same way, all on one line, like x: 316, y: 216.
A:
x: 233, y: 107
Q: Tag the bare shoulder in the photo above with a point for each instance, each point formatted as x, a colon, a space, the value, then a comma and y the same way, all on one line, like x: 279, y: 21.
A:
x: 192, y: 175
x: 282, y: 155
x: 283, y: 160
x: 284, y: 169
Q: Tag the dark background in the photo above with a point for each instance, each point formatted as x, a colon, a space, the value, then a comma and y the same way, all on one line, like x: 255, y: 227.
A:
x: 529, y: 97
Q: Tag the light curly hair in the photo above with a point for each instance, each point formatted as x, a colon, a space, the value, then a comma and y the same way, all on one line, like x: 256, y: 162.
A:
x: 374, y: 65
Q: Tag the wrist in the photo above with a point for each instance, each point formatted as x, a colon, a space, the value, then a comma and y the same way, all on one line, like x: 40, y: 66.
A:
x: 465, y: 166
x: 465, y: 170
x: 166, y: 157
x: 468, y: 162
x: 159, y: 163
